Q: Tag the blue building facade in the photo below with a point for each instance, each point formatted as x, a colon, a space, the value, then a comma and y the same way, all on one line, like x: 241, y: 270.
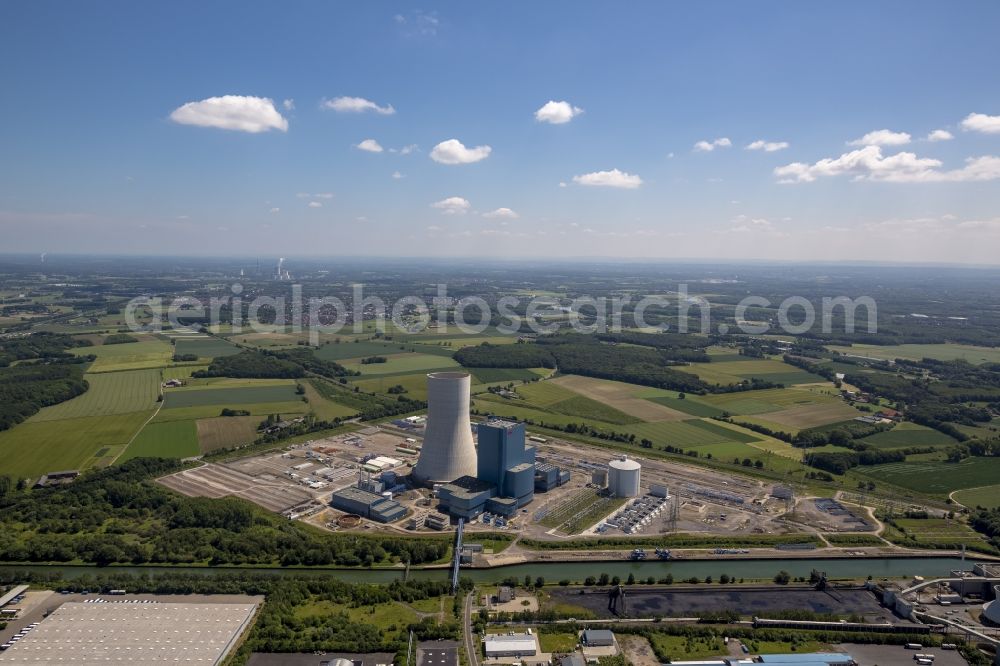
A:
x: 505, y: 474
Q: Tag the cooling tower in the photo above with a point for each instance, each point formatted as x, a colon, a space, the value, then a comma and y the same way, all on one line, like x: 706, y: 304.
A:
x: 448, y: 451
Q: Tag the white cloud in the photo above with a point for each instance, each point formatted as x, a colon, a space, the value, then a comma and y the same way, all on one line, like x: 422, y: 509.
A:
x: 453, y: 151
x: 183, y: 217
x: 357, y: 105
x: 434, y: 228
x: 709, y: 146
x: 405, y: 150
x: 315, y: 204
x: 502, y: 212
x: 370, y: 146
x: 275, y: 210
x: 452, y: 206
x: 557, y: 113
x: 396, y: 175
x: 980, y: 122
x: 419, y: 23
x: 289, y: 104
x: 940, y: 135
x: 613, y: 178
x: 868, y: 163
x: 324, y: 195
x: 743, y: 224
x: 232, y: 112
x: 767, y: 146
x: 882, y: 137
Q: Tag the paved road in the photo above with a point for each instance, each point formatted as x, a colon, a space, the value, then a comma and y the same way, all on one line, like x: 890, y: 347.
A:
x: 470, y: 638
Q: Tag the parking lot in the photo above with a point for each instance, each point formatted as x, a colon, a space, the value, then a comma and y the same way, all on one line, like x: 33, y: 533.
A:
x: 897, y: 655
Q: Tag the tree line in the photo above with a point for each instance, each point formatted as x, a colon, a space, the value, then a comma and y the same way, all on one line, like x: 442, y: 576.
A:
x: 118, y: 515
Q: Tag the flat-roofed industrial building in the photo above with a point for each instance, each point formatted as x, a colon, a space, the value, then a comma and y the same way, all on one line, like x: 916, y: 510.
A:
x: 367, y: 504
x: 87, y: 634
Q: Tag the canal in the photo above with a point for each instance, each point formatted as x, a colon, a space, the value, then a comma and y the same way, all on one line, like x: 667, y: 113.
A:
x: 765, y: 569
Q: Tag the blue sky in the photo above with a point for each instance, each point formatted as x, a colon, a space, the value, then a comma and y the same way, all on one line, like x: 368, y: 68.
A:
x: 98, y: 151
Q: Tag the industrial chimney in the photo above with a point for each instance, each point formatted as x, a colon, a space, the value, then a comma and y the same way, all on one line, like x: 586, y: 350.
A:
x: 448, y: 451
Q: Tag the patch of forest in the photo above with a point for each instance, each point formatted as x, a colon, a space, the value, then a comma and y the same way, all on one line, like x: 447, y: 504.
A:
x: 261, y: 364
x: 45, y: 374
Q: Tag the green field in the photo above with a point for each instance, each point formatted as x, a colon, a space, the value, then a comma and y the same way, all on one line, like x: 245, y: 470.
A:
x: 360, y: 349
x: 205, y: 347
x: 906, y: 435
x: 933, y: 531
x: 224, y: 432
x: 149, y: 353
x: 987, y: 497
x: 229, y: 397
x: 554, y: 397
x: 690, y: 433
x: 415, y: 384
x: 326, y: 410
x: 209, y: 411
x: 404, y: 363
x: 32, y: 449
x: 943, y: 352
x: 558, y: 643
x: 172, y: 439
x: 763, y: 401
x: 937, y: 477
x: 182, y: 371
x: 498, y: 375
x: 487, y: 403
x: 109, y: 393
x: 692, y: 407
x: 734, y: 371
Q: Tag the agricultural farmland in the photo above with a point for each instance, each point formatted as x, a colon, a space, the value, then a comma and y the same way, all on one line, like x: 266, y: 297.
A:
x: 148, y: 353
x: 109, y: 393
x: 205, y: 347
x: 232, y: 397
x: 987, y: 497
x: 619, y: 396
x: 941, y: 352
x: 345, y: 350
x: 725, y: 372
x: 223, y: 432
x: 401, y: 364
x: 171, y: 439
x: 907, y: 435
x: 35, y: 448
x: 937, y: 477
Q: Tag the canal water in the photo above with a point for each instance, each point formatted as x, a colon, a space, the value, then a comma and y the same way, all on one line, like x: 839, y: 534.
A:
x: 835, y: 568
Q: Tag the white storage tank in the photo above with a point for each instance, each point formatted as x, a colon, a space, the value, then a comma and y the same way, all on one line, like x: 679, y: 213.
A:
x: 599, y: 478
x: 623, y: 477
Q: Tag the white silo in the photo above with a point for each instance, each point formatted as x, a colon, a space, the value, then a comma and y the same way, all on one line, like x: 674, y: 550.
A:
x: 623, y: 477
x: 448, y: 451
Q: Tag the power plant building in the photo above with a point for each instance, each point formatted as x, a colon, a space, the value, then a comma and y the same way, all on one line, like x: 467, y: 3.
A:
x: 505, y: 474
x: 549, y: 476
x: 448, y: 451
x: 367, y: 505
x: 623, y: 477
